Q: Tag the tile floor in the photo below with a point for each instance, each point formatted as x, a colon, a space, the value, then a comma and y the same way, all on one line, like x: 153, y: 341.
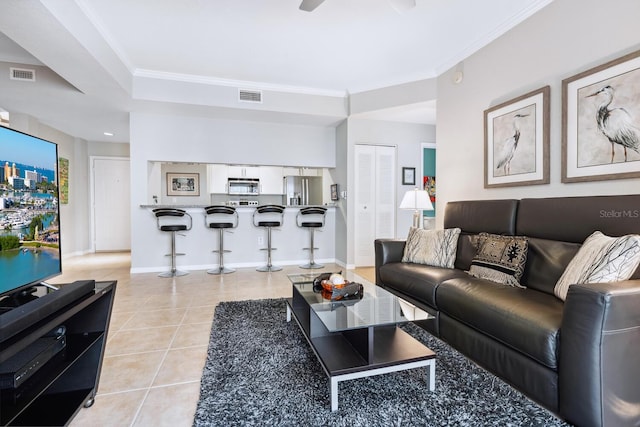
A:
x: 158, y: 336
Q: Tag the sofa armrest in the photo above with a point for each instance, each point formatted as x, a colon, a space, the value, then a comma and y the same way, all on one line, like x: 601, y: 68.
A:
x: 387, y: 251
x: 599, y: 348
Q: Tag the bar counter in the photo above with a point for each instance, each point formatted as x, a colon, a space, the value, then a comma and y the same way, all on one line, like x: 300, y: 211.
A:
x: 245, y: 242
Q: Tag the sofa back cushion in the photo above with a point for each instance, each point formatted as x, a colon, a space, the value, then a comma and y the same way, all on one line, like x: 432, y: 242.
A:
x: 477, y: 216
x: 573, y: 219
x: 546, y: 261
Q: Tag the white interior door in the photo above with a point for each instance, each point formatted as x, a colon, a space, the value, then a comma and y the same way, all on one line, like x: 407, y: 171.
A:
x: 111, y: 204
x: 385, y: 174
x: 375, y: 199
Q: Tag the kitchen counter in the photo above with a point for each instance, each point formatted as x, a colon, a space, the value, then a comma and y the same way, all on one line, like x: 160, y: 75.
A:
x: 237, y: 207
x: 246, y: 242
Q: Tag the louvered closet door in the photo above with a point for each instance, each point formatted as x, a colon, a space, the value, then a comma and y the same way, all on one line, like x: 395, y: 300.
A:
x: 375, y: 199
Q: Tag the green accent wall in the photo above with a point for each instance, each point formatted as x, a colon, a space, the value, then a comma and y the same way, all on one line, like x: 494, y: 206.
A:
x: 429, y: 168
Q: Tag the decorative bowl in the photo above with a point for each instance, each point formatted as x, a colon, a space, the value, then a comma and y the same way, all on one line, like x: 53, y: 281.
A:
x: 328, y: 287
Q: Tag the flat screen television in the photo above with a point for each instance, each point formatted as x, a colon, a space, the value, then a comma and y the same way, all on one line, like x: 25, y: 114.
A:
x: 29, y: 211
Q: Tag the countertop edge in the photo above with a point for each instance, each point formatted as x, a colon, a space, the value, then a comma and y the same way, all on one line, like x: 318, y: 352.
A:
x: 237, y: 207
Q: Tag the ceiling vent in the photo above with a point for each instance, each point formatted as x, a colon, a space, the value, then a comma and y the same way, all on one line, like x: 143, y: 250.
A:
x: 250, y: 96
x: 24, y: 74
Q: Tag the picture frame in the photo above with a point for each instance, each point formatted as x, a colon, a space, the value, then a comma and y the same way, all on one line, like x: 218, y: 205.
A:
x: 601, y: 101
x: 334, y: 192
x: 516, y: 148
x: 183, y: 184
x: 408, y: 176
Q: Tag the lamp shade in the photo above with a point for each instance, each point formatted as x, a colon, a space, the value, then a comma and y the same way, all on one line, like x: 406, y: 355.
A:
x: 416, y: 200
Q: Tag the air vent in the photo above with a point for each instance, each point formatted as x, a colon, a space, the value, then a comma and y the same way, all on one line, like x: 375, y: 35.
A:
x: 250, y: 96
x: 24, y: 74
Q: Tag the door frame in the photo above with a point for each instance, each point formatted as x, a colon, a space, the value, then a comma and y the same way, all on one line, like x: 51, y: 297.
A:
x: 92, y: 196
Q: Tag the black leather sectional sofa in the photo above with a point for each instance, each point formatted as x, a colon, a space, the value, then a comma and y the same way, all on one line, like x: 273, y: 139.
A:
x: 579, y: 358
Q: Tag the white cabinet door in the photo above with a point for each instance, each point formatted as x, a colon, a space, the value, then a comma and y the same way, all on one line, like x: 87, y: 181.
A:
x: 310, y: 172
x: 271, y: 180
x: 289, y: 171
x: 218, y: 177
x: 374, y: 199
x: 244, y: 172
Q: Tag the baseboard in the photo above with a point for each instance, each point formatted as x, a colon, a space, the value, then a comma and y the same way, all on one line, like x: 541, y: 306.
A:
x: 158, y: 269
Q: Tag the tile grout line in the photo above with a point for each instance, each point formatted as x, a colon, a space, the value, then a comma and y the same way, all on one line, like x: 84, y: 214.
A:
x: 148, y: 390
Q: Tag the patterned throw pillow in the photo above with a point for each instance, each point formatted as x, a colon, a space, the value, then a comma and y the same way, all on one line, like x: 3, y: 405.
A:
x: 601, y: 259
x: 500, y: 258
x: 432, y: 247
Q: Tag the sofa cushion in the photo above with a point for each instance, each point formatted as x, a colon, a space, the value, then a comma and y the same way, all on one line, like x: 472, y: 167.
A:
x: 601, y: 259
x: 417, y: 280
x: 573, y: 219
x: 431, y: 247
x: 546, y: 261
x: 523, y: 319
x: 467, y: 249
x: 500, y: 258
x: 476, y: 216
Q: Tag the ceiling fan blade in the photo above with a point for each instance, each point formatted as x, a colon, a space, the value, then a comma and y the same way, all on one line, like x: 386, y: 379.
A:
x: 402, y: 5
x: 310, y: 5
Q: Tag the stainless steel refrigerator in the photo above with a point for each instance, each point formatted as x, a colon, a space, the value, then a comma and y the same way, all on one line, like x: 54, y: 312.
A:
x: 302, y: 190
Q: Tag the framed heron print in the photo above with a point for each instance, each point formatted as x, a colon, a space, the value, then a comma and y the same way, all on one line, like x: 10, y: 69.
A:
x: 601, y: 122
x: 516, y: 149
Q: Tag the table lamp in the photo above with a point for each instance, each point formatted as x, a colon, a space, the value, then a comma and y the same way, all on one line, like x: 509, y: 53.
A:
x: 417, y: 200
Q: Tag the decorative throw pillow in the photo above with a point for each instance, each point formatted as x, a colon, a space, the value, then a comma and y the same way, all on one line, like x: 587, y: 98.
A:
x: 500, y: 258
x: 601, y: 259
x: 432, y: 247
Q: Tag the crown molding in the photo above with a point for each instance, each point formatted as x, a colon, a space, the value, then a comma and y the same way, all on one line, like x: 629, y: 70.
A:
x: 242, y: 84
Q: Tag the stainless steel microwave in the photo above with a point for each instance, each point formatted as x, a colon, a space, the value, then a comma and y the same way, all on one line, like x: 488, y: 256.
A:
x: 243, y: 186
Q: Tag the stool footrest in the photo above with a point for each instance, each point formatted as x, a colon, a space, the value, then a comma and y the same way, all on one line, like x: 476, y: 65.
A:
x: 266, y: 249
x: 216, y: 251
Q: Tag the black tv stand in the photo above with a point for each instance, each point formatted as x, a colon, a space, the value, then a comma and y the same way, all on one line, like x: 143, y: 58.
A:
x: 69, y: 379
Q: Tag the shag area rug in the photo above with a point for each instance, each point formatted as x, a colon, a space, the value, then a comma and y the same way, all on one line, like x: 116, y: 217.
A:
x: 261, y: 371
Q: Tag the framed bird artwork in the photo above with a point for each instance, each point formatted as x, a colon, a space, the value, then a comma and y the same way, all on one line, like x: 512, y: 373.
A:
x: 601, y: 122
x: 516, y: 148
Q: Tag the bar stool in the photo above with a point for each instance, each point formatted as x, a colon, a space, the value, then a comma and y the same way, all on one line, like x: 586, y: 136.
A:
x: 173, y: 220
x: 311, y: 218
x: 220, y: 218
x: 268, y: 216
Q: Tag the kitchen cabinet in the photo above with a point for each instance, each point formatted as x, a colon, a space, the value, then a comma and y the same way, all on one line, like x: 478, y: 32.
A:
x: 218, y: 177
x: 244, y: 172
x: 271, y: 180
x: 289, y: 171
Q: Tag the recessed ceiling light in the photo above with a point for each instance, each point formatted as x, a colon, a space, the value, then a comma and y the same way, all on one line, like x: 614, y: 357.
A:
x: 108, y: 134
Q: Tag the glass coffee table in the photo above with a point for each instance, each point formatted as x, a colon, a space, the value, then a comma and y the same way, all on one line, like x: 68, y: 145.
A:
x: 358, y: 338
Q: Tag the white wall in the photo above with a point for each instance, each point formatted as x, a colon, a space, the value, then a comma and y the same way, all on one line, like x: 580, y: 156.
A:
x: 408, y: 139
x: 339, y: 176
x: 563, y: 39
x: 175, y: 138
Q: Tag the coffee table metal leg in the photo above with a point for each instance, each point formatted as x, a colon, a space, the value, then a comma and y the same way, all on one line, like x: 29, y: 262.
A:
x: 432, y: 375
x: 288, y: 313
x: 333, y: 393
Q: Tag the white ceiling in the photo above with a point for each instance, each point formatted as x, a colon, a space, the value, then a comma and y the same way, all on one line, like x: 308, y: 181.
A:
x: 343, y: 47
